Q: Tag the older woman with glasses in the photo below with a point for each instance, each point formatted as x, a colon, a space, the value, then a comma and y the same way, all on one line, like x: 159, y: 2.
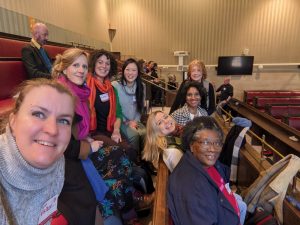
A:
x: 195, y: 102
x: 198, y: 189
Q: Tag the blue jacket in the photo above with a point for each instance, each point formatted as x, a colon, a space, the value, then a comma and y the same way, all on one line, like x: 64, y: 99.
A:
x: 194, y: 198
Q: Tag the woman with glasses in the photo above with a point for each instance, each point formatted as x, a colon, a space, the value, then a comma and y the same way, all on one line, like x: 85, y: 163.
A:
x: 195, y: 102
x: 198, y: 189
x: 158, y: 140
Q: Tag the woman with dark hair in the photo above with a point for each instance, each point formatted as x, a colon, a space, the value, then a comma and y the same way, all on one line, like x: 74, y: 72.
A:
x: 195, y: 98
x: 198, y: 189
x: 105, y: 122
x: 196, y: 72
x: 132, y: 94
x: 106, y: 112
x: 77, y: 207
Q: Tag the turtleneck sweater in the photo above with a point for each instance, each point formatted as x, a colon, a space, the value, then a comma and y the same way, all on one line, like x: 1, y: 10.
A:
x: 23, y: 188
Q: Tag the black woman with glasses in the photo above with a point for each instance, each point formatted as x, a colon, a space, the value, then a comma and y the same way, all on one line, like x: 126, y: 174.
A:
x: 198, y: 189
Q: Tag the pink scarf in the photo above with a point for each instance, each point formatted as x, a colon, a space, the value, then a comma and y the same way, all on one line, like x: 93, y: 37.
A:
x: 82, y: 94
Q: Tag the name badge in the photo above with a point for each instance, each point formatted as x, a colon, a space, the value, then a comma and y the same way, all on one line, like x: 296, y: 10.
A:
x: 228, y: 188
x: 134, y: 99
x: 48, y: 210
x: 104, y: 97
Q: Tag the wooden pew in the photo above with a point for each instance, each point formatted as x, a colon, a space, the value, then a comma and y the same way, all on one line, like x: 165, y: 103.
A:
x: 277, y: 111
x: 261, y: 102
x: 160, y: 209
x: 276, y: 133
x: 292, y: 121
x: 250, y: 94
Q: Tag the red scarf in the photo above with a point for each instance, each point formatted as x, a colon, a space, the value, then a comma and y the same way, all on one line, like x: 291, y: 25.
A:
x: 104, y: 87
x: 214, y: 174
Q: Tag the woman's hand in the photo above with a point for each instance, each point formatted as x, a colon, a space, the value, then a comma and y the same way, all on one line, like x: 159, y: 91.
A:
x: 116, y: 136
x: 95, y: 145
x: 133, y: 124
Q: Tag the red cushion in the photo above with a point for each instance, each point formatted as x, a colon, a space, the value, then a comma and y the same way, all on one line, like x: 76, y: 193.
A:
x: 294, y: 122
x: 278, y: 111
x: 6, y: 105
x: 12, y: 73
x: 11, y: 48
x: 294, y: 109
x: 54, y: 50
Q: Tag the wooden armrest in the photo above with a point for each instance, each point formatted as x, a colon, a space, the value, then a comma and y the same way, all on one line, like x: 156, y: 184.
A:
x: 160, y: 211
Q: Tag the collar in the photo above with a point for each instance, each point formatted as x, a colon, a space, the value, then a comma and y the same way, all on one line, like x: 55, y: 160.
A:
x: 35, y: 43
x: 186, y: 111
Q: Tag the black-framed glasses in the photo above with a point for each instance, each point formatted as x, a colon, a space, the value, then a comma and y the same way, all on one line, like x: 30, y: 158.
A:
x: 206, y: 144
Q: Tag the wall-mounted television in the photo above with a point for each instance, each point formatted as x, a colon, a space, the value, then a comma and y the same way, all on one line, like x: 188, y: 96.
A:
x: 235, y: 65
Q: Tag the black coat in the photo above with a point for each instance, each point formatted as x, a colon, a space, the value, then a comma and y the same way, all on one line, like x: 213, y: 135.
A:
x: 194, y: 198
x: 227, y: 150
x: 77, y: 201
x: 34, y: 62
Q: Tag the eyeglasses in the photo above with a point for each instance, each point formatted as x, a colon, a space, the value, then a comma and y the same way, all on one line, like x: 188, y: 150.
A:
x: 206, y: 144
x: 159, y: 122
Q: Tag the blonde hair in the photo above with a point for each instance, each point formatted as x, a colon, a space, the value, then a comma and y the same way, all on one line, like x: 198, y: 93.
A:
x: 154, y: 143
x: 199, y: 64
x: 63, y: 61
x: 24, y: 88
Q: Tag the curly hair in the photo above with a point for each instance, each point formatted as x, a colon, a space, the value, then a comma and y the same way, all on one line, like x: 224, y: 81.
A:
x: 199, y: 64
x: 95, y: 56
x: 190, y: 130
x: 201, y: 90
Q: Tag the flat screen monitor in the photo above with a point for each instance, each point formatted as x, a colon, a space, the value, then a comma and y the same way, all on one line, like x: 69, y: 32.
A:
x: 235, y: 65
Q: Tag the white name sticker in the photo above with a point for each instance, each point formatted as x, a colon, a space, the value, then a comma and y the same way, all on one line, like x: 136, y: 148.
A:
x: 48, y: 210
x: 104, y: 97
x: 133, y: 98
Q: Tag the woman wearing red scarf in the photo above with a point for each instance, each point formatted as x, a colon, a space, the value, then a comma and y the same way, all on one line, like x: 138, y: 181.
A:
x: 78, y: 200
x: 106, y: 112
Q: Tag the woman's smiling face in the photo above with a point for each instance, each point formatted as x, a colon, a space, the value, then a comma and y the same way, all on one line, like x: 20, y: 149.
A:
x: 42, y: 126
x: 165, y: 123
x: 102, y: 67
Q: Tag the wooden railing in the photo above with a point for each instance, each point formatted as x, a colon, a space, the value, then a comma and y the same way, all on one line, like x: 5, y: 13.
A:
x: 160, y: 210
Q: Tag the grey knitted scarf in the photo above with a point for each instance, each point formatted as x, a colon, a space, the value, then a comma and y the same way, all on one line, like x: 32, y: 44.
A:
x: 23, y: 188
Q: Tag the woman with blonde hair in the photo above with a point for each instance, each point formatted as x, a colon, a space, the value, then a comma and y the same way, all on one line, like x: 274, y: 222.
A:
x: 196, y: 72
x: 37, y: 132
x: 158, y: 140
x: 78, y: 207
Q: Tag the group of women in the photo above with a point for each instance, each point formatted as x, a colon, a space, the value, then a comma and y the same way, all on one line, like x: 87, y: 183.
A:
x: 84, y: 116
x: 198, y: 187
x: 77, y: 114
